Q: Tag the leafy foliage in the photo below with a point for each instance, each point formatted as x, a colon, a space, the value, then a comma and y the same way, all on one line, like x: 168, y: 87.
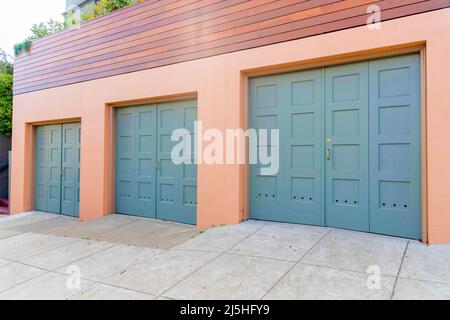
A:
x: 5, y: 65
x: 6, y: 95
x: 22, y: 47
x: 44, y: 29
x: 70, y: 20
x: 38, y: 31
x: 113, y: 5
x: 103, y: 7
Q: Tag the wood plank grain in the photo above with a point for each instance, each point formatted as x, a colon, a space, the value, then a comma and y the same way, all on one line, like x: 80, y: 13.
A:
x: 136, y: 24
x: 184, y: 34
x: 149, y: 8
x: 160, y: 28
x: 301, y: 19
x: 216, y: 41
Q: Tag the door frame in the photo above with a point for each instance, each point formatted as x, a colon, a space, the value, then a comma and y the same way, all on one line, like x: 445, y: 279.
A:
x: 329, y: 61
x: 111, y: 129
x: 32, y: 126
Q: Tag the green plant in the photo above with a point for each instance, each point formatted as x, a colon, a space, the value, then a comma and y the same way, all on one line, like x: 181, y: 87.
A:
x: 91, y: 12
x: 70, y: 20
x: 44, y: 29
x: 103, y: 7
x: 6, y: 103
x: 112, y: 5
x: 38, y: 31
x: 22, y: 47
x: 5, y: 65
x: 6, y: 94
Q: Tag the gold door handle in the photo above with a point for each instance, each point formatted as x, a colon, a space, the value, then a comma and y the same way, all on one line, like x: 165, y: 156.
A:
x: 328, y: 149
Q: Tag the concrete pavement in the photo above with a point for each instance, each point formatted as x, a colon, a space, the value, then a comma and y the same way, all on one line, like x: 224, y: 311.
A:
x: 47, y: 256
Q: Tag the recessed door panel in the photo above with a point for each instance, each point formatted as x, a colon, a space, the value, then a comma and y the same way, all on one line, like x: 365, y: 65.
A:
x: 302, y: 147
x: 395, y: 146
x: 136, y: 161
x: 57, y: 169
x: 349, y: 146
x: 266, y: 114
x: 54, y: 169
x: 70, y: 169
x: 48, y: 169
x: 346, y: 139
x: 291, y: 103
x: 148, y: 182
x: 176, y: 184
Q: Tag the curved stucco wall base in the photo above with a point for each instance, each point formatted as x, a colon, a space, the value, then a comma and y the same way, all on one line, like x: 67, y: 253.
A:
x: 218, y: 82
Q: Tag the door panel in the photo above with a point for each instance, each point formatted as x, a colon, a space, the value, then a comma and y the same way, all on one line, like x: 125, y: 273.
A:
x: 176, y: 184
x: 145, y: 152
x: 42, y: 174
x: 125, y: 160
x: 58, y: 168
x: 349, y: 146
x: 291, y: 103
x: 136, y: 161
x: 168, y: 197
x: 346, y: 123
x: 395, y: 146
x: 70, y: 169
x: 266, y: 113
x: 54, y: 172
x: 304, y: 147
x: 148, y: 183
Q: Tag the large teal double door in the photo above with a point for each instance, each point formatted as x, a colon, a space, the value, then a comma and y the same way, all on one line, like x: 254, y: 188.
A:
x: 57, y: 168
x: 148, y: 182
x: 349, y: 146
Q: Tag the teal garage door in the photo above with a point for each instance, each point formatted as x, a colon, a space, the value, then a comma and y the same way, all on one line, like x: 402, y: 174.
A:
x: 57, y: 179
x: 148, y: 183
x: 349, y: 147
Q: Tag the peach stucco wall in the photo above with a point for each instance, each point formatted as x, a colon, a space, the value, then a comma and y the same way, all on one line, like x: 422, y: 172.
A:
x: 219, y: 82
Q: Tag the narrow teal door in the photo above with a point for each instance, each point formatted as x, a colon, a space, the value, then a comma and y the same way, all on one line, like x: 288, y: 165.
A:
x: 349, y: 146
x: 346, y: 134
x: 70, y: 193
x: 57, y: 170
x: 177, y: 184
x: 395, y: 196
x: 148, y: 183
x: 136, y: 161
x: 48, y: 168
x: 291, y: 103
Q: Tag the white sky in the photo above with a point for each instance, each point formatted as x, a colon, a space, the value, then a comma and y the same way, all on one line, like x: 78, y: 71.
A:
x: 18, y: 16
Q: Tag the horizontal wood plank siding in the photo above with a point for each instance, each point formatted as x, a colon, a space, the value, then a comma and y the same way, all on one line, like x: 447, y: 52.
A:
x: 157, y: 33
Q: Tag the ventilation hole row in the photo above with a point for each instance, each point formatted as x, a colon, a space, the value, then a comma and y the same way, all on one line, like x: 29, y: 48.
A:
x: 167, y: 200
x: 346, y: 201
x: 295, y: 197
x: 145, y: 198
x: 395, y: 205
x: 190, y: 202
x: 125, y: 195
x: 266, y: 195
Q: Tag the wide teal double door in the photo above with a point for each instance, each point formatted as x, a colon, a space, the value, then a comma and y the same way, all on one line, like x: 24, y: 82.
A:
x: 57, y: 168
x: 349, y: 146
x: 148, y: 182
